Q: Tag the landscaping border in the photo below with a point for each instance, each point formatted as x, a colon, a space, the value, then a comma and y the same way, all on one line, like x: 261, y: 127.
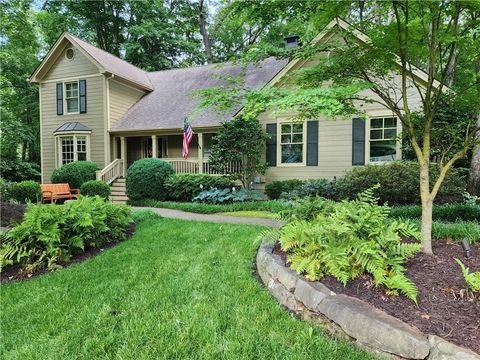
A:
x: 352, y: 319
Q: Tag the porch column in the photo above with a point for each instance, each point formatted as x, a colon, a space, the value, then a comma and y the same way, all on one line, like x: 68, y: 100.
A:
x: 115, y: 148
x: 154, y: 146
x: 200, y: 153
x: 123, y: 153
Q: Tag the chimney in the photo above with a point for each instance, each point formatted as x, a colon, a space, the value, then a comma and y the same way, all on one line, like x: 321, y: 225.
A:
x: 292, y: 41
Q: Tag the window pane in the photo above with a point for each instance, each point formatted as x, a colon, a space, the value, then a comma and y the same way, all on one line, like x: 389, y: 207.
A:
x: 292, y: 154
x: 375, y: 134
x: 297, y: 138
x: 383, y: 150
x: 390, y: 133
x: 390, y: 122
x: 67, y: 150
x: 286, y: 139
x: 286, y: 128
x: 376, y: 123
x: 72, y: 105
x: 297, y: 127
x: 82, y: 156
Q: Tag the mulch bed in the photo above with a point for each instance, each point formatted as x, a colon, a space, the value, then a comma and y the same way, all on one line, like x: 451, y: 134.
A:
x: 17, y: 273
x: 445, y: 307
x: 11, y: 213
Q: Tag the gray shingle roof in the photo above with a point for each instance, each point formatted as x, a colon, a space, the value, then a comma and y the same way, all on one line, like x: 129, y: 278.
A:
x: 72, y: 127
x: 172, y: 100
x: 113, y: 64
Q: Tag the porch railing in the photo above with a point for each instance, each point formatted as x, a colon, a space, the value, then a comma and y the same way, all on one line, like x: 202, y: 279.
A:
x: 181, y: 166
x: 111, y: 172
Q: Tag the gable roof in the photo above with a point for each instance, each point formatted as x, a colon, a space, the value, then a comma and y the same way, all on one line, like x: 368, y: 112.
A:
x: 106, y: 62
x: 364, y: 39
x: 172, y: 100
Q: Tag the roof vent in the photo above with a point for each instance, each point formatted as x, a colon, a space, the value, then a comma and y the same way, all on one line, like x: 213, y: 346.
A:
x: 292, y: 41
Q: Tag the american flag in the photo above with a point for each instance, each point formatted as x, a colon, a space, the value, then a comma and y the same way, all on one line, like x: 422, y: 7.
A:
x: 187, y: 138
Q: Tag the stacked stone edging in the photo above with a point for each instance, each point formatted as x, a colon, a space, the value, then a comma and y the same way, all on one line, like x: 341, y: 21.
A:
x: 350, y: 318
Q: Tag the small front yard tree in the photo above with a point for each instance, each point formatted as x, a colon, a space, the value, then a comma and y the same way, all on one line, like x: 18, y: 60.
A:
x: 238, y: 148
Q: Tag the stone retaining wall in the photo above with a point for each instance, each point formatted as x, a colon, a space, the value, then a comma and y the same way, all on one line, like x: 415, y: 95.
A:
x: 350, y: 318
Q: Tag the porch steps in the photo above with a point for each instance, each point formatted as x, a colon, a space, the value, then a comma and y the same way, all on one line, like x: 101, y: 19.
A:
x: 118, y: 189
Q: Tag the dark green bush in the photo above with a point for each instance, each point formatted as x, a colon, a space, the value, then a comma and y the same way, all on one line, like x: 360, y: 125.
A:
x: 16, y: 170
x: 447, y: 212
x: 26, y: 191
x: 75, y: 173
x: 399, y: 183
x: 184, y: 187
x: 274, y: 189
x: 312, y: 187
x: 11, y: 213
x: 50, y: 234
x: 146, y: 179
x: 95, y: 187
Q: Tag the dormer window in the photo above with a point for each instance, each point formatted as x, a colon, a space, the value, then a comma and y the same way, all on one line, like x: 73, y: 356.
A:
x: 71, y: 97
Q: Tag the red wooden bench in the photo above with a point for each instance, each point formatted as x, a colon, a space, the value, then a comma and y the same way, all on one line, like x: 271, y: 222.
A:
x: 53, y: 192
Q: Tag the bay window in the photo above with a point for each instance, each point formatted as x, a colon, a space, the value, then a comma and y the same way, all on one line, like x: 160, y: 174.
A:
x: 72, y: 148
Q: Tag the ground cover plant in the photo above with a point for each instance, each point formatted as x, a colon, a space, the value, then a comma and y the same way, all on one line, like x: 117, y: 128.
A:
x: 350, y: 238
x: 162, y: 294
x: 446, y: 212
x: 51, y: 234
x: 228, y: 195
x: 273, y: 206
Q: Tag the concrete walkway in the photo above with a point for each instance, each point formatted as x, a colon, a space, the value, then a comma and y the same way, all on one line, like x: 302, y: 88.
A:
x: 178, y: 214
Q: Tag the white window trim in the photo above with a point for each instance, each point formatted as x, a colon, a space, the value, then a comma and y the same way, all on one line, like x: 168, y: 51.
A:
x: 281, y: 121
x: 75, y: 135
x: 65, y: 97
x: 398, y: 147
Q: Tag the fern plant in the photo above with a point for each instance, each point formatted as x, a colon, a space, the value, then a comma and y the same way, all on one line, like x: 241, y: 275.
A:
x: 348, y: 239
x: 472, y: 279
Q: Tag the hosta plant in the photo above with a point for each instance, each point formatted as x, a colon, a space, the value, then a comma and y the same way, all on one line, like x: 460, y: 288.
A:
x: 351, y: 238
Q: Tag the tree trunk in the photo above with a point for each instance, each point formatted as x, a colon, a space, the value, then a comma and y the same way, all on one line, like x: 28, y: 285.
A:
x: 474, y: 175
x: 207, y: 44
x: 427, y: 205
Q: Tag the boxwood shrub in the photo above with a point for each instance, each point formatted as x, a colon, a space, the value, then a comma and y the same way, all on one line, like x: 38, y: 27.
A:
x: 399, y: 183
x: 75, y: 173
x: 184, y: 187
x: 95, y: 187
x: 146, y: 179
x: 26, y: 191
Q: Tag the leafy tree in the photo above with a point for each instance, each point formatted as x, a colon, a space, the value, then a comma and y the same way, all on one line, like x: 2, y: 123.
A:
x: 426, y: 34
x: 18, y: 58
x: 243, y: 142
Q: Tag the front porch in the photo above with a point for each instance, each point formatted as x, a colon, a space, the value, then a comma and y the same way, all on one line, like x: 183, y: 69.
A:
x: 124, y: 150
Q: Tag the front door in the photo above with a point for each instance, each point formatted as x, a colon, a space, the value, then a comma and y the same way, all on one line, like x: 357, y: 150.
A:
x: 162, y: 147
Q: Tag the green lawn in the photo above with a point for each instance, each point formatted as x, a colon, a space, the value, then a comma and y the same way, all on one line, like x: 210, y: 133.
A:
x: 176, y: 290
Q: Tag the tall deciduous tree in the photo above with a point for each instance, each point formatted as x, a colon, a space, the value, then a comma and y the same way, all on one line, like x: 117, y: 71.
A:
x: 426, y: 34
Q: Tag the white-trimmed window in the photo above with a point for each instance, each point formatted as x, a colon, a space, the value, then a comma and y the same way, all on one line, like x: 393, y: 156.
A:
x: 291, y: 144
x: 71, y: 97
x: 72, y: 148
x: 383, y: 139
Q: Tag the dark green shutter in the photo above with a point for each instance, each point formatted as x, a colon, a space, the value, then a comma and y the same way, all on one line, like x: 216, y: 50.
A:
x: 358, y: 141
x: 82, y: 84
x: 59, y: 98
x: 312, y: 143
x: 272, y: 145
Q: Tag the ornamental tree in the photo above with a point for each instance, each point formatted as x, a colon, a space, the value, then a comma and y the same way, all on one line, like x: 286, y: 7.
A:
x: 237, y: 150
x: 406, y: 36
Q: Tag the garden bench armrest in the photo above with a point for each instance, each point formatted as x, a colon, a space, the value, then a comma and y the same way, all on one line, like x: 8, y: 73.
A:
x: 75, y: 191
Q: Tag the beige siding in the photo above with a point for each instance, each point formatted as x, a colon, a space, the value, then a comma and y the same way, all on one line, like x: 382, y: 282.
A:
x: 121, y: 99
x: 175, y: 147
x: 94, y: 119
x: 64, y: 68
